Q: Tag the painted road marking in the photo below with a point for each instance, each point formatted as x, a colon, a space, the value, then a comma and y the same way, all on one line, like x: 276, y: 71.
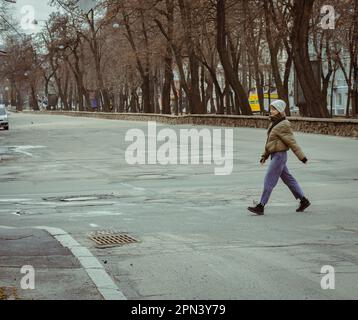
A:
x: 93, y: 225
x: 23, y: 149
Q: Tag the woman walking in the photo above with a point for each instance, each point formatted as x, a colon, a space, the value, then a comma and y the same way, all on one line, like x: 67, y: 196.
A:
x: 280, y: 139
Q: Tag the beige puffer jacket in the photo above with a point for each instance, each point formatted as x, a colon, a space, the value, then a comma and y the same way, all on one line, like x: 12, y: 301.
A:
x: 281, y: 138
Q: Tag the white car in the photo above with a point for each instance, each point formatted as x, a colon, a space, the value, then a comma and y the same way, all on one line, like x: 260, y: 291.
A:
x: 4, y: 118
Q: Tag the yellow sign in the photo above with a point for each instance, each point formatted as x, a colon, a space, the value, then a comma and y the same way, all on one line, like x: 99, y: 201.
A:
x: 255, y: 102
x: 272, y: 96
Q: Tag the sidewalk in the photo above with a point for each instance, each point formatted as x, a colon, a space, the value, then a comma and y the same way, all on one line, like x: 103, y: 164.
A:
x: 58, y: 273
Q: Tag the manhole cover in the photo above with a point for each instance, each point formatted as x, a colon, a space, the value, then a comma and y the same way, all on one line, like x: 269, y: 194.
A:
x: 106, y: 238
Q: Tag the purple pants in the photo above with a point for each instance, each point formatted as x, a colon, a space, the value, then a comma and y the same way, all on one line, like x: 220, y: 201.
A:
x: 278, y: 169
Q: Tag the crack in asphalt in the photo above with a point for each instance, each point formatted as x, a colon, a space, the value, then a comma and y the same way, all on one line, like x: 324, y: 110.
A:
x: 303, y: 244
x: 17, y: 238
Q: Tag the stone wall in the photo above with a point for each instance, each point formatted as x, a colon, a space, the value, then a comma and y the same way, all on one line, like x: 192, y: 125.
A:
x: 335, y: 127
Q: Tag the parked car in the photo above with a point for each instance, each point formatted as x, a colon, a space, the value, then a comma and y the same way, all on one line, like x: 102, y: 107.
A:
x: 4, y: 118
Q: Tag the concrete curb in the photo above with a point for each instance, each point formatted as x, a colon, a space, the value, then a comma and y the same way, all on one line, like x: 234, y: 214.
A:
x: 104, y: 283
x: 333, y: 127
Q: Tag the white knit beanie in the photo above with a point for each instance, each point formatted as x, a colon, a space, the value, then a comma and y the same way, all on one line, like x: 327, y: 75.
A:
x: 279, y: 105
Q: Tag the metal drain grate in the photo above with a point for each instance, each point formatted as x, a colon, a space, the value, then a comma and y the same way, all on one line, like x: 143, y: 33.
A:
x: 111, y: 239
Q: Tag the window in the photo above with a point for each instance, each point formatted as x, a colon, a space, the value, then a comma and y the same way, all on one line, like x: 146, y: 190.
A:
x: 339, y: 99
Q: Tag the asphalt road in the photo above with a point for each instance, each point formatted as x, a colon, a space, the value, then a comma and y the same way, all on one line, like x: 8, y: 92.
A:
x: 196, y: 238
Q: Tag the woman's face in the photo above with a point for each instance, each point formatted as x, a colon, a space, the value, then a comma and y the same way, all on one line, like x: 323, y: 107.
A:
x: 273, y: 111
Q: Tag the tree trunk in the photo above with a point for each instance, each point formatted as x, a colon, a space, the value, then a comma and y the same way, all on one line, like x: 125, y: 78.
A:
x: 242, y: 101
x: 281, y: 84
x: 34, y: 102
x: 355, y: 92
x: 196, y: 105
x: 315, y: 101
x: 168, y: 60
x: 168, y: 77
x: 176, y: 98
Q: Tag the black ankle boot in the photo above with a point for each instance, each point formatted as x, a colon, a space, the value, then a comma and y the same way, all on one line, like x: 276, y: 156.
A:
x: 305, y: 203
x: 259, y: 209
